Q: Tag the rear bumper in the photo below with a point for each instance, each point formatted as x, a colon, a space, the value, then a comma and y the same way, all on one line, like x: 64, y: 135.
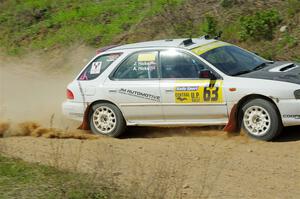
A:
x: 73, y: 110
x: 290, y: 112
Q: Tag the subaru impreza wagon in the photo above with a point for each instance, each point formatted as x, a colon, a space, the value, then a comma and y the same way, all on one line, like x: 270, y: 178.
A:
x: 185, y: 82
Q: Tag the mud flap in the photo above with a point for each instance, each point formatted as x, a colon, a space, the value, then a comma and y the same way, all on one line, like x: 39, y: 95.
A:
x: 232, y: 125
x: 85, y: 123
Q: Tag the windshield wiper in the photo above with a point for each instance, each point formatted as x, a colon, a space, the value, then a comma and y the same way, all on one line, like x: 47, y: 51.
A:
x: 242, y: 72
x: 260, y: 66
x: 263, y: 65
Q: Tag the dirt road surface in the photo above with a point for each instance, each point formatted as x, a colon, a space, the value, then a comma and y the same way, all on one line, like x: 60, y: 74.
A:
x: 147, y: 162
x: 172, y: 165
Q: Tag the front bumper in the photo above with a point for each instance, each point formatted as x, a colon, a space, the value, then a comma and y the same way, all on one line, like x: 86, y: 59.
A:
x: 289, y: 111
x: 73, y: 110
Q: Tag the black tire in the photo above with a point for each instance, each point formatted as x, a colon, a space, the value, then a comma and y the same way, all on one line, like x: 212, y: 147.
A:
x: 260, y: 119
x: 117, y: 119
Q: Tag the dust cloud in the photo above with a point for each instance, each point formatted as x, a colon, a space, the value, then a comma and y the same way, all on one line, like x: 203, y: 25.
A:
x: 32, y: 87
x: 36, y: 130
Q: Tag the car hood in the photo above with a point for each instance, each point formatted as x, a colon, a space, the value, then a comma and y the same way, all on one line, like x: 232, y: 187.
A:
x: 278, y: 71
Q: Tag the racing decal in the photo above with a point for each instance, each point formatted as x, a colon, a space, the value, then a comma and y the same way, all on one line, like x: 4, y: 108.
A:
x: 146, y: 62
x: 199, y: 91
x: 139, y: 94
x: 144, y: 68
x: 292, y: 116
x: 147, y: 57
x: 84, y: 76
x: 96, y: 68
x: 206, y: 47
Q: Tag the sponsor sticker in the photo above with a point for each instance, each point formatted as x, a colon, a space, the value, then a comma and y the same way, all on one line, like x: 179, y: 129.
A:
x: 200, y: 91
x: 206, y: 47
x: 146, y: 57
x: 139, y: 94
x: 96, y: 68
x: 292, y: 116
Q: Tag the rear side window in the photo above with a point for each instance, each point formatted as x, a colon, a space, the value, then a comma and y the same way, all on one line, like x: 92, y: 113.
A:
x: 141, y: 65
x: 96, y: 67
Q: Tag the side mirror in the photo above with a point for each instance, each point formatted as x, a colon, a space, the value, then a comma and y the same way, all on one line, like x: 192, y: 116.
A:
x: 207, y: 74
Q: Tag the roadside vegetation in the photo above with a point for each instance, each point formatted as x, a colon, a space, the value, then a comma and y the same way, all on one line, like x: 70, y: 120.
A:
x: 19, y: 179
x: 45, y: 24
x: 273, y: 31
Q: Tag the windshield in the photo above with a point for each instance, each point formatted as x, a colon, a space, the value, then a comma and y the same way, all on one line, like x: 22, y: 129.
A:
x: 233, y: 60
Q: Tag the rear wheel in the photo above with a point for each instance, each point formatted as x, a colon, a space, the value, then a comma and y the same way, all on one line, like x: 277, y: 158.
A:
x: 260, y: 119
x: 106, y: 119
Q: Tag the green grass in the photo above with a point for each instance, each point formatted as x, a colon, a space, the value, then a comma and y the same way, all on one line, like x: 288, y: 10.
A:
x: 19, y: 179
x: 47, y: 24
x: 44, y: 24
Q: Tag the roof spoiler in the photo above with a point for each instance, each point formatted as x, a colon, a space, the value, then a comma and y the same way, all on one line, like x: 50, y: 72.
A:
x: 103, y: 49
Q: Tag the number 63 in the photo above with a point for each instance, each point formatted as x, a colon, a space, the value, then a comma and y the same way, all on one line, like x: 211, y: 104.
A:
x: 211, y: 94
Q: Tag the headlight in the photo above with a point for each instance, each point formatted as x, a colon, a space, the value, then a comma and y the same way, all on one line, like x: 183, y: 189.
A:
x: 297, y: 94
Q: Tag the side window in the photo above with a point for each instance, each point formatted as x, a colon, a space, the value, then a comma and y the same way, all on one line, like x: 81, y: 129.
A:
x: 142, y: 65
x: 176, y: 64
x: 97, y: 67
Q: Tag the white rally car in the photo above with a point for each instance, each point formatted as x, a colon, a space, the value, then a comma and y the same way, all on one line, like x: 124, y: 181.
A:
x: 184, y: 82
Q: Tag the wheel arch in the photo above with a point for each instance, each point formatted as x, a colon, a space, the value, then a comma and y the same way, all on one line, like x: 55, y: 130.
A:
x: 234, y: 123
x: 247, y: 98
x: 85, y: 122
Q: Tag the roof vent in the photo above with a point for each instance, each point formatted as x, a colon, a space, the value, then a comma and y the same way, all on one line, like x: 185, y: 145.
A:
x: 205, y: 37
x: 287, y: 67
x: 217, y: 37
x: 284, y: 68
x: 188, y: 42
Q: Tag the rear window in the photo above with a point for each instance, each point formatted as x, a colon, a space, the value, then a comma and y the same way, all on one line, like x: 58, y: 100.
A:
x: 98, y: 66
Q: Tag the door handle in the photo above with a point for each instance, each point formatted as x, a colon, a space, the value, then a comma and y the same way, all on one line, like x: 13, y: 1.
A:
x: 112, y: 91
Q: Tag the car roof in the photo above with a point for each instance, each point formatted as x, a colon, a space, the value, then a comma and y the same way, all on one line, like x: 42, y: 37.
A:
x: 176, y: 43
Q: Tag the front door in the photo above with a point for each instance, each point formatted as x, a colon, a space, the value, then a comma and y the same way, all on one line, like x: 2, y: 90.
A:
x: 186, y: 98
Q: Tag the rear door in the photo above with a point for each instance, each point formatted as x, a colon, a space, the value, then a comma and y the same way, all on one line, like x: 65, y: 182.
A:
x: 134, y: 87
x: 185, y: 97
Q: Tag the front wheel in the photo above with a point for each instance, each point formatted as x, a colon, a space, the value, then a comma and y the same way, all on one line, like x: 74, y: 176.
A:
x: 106, y: 119
x: 260, y: 119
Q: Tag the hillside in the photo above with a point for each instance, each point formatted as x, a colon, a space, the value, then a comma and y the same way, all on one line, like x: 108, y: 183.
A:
x: 270, y: 27
x: 45, y: 43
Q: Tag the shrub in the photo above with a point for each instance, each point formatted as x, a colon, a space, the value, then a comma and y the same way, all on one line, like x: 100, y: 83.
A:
x: 259, y: 26
x: 210, y: 25
x: 293, y: 7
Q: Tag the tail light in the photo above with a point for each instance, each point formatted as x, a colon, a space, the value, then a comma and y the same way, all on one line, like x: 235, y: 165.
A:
x: 70, y: 95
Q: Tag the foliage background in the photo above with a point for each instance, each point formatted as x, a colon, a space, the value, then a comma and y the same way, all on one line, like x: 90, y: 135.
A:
x: 48, y: 24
